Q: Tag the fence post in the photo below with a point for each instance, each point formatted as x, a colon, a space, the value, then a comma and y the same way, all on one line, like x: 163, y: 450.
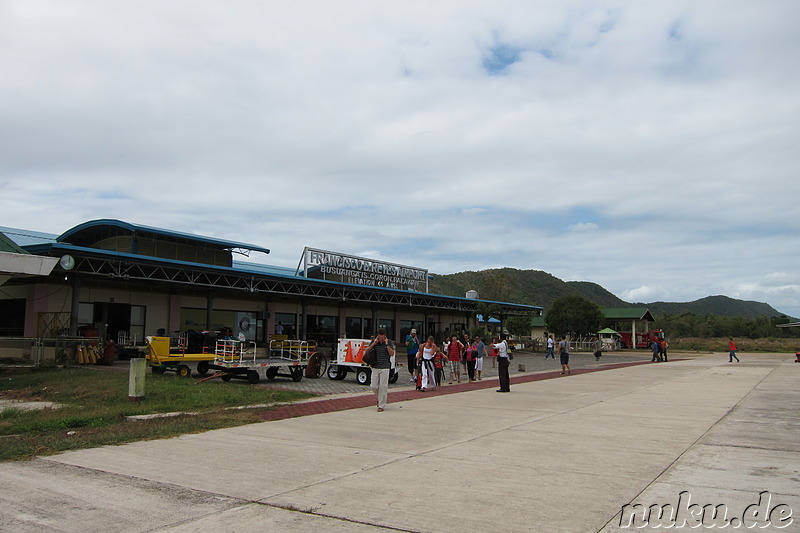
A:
x: 136, y: 379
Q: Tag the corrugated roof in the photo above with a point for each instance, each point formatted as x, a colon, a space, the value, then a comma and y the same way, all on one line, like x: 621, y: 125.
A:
x: 86, y: 231
x: 629, y: 313
x: 7, y: 245
x: 24, y: 237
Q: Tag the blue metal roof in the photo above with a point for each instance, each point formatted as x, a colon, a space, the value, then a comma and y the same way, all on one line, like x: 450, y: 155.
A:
x: 139, y: 228
x: 24, y: 237
x: 44, y: 243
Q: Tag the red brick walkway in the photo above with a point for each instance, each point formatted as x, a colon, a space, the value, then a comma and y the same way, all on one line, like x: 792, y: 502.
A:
x: 368, y: 400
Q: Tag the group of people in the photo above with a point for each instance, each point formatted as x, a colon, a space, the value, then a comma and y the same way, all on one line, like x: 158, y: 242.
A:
x: 659, y: 348
x: 427, y: 361
x: 563, y: 352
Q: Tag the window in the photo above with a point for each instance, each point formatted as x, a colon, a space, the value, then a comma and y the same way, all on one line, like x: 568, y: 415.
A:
x: 388, y: 325
x: 407, y: 325
x: 322, y: 329
x: 12, y: 318
x: 85, y: 314
x: 287, y: 323
x: 138, y: 313
x: 352, y: 327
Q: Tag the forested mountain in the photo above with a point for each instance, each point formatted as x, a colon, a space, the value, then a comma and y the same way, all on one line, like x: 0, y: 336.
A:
x: 714, y: 305
x: 534, y: 287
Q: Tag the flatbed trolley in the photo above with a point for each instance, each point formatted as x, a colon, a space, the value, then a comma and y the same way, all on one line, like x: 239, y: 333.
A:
x: 286, y: 358
x: 163, y: 357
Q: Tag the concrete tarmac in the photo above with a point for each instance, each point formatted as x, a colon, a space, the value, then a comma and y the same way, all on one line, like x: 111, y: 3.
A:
x: 562, y: 454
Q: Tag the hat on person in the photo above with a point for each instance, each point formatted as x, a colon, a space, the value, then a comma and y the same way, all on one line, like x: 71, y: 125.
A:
x: 413, y: 331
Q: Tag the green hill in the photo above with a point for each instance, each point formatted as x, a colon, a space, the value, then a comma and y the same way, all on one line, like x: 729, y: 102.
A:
x: 714, y: 305
x: 534, y: 287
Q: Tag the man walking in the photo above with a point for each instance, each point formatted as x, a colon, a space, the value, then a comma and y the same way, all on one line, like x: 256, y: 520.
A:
x: 732, y: 348
x: 412, y: 349
x: 656, y: 352
x: 380, y: 371
x: 551, y: 345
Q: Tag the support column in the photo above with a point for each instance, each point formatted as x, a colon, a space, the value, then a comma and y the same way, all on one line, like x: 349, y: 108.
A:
x: 76, y: 298
x: 209, y: 309
x: 174, y: 317
x: 303, y: 320
x: 342, y: 321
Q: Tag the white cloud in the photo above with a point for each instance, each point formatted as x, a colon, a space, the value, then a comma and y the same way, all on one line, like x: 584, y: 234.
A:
x: 369, y: 126
x: 584, y: 227
x: 642, y: 294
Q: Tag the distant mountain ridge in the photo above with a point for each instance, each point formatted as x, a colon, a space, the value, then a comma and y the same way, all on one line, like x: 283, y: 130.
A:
x: 535, y: 287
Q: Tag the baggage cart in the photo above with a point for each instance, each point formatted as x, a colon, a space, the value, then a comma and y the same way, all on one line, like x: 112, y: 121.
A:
x: 240, y: 360
x: 349, y: 354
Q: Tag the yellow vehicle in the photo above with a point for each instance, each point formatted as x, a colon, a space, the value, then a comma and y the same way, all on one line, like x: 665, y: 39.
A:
x: 163, y: 357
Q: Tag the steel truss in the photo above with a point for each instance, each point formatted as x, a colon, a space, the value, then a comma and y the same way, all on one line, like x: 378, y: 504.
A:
x: 192, y: 275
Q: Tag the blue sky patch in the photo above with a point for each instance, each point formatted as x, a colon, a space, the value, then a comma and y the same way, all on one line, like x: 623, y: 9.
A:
x: 501, y: 56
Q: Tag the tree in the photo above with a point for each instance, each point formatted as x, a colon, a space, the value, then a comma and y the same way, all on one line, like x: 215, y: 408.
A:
x: 519, y: 325
x: 487, y: 310
x: 573, y: 315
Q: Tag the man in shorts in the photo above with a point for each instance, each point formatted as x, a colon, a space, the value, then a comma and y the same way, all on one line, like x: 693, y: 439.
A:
x: 563, y: 350
x: 480, y: 352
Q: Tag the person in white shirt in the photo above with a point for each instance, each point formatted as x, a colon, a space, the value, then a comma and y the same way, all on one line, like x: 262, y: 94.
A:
x: 502, y: 364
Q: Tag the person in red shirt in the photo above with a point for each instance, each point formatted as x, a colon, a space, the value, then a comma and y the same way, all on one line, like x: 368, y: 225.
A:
x: 732, y: 348
x: 438, y: 363
x: 454, y: 351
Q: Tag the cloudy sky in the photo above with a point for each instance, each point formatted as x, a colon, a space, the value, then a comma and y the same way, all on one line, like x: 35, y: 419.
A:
x: 648, y: 146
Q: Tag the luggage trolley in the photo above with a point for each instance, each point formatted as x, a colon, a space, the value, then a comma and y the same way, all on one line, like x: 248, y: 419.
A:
x: 236, y: 359
x: 349, y: 354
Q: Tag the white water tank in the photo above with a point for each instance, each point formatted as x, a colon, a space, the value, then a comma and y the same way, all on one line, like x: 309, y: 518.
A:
x: 472, y: 295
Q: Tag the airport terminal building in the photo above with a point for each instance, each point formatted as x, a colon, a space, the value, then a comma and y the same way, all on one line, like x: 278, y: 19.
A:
x: 118, y: 280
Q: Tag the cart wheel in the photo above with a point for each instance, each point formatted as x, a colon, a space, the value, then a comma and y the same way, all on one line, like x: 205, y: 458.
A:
x: 297, y: 373
x: 333, y: 371
x: 364, y: 376
x: 184, y: 371
x: 202, y: 368
x: 317, y: 366
x: 272, y: 372
x: 157, y: 369
x: 393, y: 375
x: 226, y: 377
x: 252, y: 377
x: 322, y: 367
x: 336, y: 372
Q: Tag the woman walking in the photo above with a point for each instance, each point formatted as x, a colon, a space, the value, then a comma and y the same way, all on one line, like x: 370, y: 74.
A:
x: 454, y: 350
x: 469, y: 355
x: 479, y: 353
x: 425, y: 358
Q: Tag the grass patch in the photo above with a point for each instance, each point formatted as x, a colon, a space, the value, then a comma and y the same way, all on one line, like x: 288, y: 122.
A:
x: 720, y: 344
x: 94, y: 404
